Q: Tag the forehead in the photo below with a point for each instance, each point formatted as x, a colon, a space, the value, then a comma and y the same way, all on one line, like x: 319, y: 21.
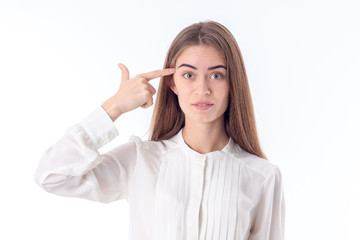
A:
x: 201, y: 55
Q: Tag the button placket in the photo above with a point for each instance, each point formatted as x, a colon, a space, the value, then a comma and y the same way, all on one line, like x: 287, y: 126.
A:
x: 197, y: 184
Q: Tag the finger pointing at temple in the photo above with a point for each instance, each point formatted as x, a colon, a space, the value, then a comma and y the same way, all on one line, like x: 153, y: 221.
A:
x: 157, y: 73
x: 134, y: 92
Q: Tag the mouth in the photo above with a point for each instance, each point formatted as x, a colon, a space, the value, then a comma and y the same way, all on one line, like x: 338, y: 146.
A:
x: 202, y: 105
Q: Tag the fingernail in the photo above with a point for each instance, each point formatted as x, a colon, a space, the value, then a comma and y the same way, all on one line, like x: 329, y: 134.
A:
x: 171, y: 69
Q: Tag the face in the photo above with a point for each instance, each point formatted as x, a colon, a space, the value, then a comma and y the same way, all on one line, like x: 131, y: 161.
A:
x: 201, y: 83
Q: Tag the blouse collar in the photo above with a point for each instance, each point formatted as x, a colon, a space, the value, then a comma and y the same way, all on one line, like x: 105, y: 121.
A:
x: 182, y: 144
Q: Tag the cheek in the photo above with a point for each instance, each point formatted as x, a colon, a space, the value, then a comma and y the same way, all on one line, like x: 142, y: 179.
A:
x: 183, y: 104
x: 224, y: 91
x: 226, y: 101
x: 225, y: 96
x: 183, y: 87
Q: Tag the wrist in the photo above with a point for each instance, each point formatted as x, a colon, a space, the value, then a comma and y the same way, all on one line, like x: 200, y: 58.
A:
x: 111, y: 109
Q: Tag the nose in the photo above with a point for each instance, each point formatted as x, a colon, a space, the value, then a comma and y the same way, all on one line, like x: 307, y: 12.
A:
x: 202, y: 86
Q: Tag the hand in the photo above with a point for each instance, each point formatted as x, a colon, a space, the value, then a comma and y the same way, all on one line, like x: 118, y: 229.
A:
x: 133, y: 93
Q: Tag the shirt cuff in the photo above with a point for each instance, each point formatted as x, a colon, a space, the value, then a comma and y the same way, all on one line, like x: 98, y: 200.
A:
x: 99, y: 127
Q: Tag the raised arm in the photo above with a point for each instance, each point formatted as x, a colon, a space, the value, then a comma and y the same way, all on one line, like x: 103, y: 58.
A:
x: 74, y: 167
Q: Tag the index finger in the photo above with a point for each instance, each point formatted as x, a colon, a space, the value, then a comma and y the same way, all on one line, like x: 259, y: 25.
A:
x: 157, y: 73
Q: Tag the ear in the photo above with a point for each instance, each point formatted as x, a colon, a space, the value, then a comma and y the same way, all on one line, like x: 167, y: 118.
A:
x: 173, y: 86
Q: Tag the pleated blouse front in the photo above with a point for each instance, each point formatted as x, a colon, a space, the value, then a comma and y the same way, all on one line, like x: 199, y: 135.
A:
x: 173, y: 192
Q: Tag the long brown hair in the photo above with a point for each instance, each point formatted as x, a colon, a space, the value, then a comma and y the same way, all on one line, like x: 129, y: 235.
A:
x: 168, y: 118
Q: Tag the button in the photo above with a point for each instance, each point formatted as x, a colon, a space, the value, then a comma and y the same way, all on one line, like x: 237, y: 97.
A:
x: 111, y: 135
x: 100, y: 142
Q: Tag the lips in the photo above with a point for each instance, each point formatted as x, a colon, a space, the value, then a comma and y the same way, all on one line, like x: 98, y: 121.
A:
x: 202, y: 105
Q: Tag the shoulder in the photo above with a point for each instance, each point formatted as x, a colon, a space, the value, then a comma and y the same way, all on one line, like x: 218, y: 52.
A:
x: 258, y: 167
x: 156, y: 147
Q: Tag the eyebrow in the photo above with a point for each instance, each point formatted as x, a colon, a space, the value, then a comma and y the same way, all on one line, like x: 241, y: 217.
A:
x: 210, y: 68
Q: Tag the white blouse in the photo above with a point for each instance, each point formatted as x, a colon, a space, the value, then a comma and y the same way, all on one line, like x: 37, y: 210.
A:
x: 173, y: 192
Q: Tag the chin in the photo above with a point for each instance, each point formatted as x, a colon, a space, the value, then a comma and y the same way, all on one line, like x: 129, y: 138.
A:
x: 204, y: 119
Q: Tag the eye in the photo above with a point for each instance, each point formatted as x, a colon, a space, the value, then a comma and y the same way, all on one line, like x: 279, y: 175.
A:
x: 216, y: 76
x: 188, y: 75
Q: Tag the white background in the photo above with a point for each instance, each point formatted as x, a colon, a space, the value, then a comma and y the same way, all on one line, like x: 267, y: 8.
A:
x: 58, y: 62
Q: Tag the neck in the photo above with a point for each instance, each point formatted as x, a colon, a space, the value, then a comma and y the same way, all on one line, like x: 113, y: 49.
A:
x: 205, y: 138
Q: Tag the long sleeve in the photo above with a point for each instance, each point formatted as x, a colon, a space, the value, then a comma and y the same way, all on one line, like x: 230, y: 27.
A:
x: 74, y: 167
x: 269, y: 220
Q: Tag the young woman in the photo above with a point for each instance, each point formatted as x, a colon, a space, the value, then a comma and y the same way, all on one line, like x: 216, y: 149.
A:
x: 202, y: 175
